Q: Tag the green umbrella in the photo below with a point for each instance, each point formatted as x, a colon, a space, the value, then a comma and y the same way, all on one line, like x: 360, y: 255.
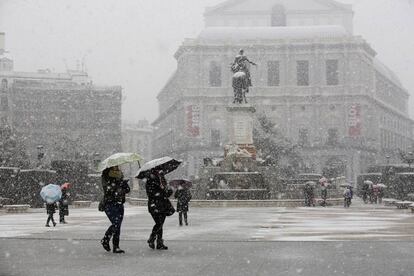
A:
x: 118, y: 159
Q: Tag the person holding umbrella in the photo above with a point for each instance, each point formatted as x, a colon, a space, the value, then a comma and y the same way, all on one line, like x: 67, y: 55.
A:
x: 309, y: 194
x: 115, y: 188
x: 51, y: 193
x: 50, y: 210
x: 63, y: 203
x: 159, y: 206
x: 324, y: 192
x: 381, y: 188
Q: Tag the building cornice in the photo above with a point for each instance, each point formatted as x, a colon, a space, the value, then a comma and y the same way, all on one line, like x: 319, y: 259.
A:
x: 347, y: 43
x: 220, y: 8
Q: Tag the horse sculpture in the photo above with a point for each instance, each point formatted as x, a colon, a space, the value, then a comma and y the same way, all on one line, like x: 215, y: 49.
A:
x: 241, y: 77
x: 240, y: 87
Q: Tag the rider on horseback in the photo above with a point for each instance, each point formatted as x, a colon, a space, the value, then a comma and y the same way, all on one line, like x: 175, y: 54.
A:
x: 240, y: 64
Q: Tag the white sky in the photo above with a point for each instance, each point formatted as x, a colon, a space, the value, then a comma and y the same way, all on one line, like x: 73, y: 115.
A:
x: 131, y: 42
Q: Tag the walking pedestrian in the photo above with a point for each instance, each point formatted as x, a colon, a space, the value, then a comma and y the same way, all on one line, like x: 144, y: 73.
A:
x: 324, y: 193
x: 159, y: 206
x: 115, y: 188
x: 380, y: 193
x: 347, y: 196
x: 365, y: 188
x: 370, y: 192
x: 375, y: 192
x: 309, y: 194
x: 63, y: 205
x: 183, y: 196
x: 50, y: 210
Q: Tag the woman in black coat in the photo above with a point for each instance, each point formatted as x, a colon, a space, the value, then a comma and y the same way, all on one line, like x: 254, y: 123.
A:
x: 114, y: 188
x: 158, y: 206
x: 50, y: 210
x: 63, y: 206
x: 183, y: 197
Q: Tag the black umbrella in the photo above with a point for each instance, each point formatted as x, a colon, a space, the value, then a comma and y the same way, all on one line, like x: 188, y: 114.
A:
x: 165, y: 164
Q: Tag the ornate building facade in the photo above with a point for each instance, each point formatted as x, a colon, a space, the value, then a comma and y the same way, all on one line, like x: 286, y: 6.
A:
x: 61, y: 116
x: 322, y: 86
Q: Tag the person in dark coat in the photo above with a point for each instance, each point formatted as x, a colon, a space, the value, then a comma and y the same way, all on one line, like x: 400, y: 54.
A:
x: 371, y: 192
x: 158, y: 194
x: 309, y: 195
x: 183, y: 197
x: 324, y: 193
x: 115, y: 188
x: 50, y: 210
x: 380, y: 193
x: 365, y: 187
x: 347, y: 196
x: 63, y: 206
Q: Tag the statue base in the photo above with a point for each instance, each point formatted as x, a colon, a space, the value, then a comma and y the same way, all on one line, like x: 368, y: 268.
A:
x: 241, y: 124
x: 244, y: 149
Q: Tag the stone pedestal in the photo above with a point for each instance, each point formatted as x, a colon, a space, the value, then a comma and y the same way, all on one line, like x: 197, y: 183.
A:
x: 241, y: 127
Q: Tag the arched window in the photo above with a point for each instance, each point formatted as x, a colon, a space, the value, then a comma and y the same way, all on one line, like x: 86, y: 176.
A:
x: 214, y: 74
x: 278, y: 16
x: 3, y: 84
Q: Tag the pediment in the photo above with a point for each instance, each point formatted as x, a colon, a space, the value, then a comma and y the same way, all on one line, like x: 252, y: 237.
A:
x: 265, y: 6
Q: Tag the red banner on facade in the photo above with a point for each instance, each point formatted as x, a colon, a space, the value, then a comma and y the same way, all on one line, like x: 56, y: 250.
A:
x: 193, y: 120
x: 354, y: 120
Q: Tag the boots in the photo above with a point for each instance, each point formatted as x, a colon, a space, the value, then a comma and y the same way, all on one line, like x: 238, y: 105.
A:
x: 115, y: 243
x: 151, y: 242
x: 160, y: 245
x: 118, y: 250
x: 105, y: 244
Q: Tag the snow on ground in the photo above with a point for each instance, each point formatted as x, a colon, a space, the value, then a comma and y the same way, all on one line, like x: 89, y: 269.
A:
x: 24, y: 224
x: 360, y: 222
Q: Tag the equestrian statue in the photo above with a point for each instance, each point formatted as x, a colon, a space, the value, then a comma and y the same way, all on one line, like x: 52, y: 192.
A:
x: 241, y: 78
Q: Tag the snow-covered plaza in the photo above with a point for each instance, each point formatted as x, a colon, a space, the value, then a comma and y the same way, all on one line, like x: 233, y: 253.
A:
x: 362, y: 240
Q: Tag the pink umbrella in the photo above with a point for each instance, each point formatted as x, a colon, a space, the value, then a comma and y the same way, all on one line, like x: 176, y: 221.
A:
x: 65, y: 186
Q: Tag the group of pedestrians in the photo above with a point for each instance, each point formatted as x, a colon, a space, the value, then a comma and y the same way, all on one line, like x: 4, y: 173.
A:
x: 309, y: 192
x: 62, y: 205
x: 159, y: 206
x: 372, y: 193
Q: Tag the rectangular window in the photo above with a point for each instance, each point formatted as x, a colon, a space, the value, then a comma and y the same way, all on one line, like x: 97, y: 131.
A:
x: 332, y: 73
x: 215, y: 138
x: 4, y: 105
x: 332, y: 136
x: 303, y: 137
x: 273, y: 78
x: 302, y: 72
x: 215, y: 74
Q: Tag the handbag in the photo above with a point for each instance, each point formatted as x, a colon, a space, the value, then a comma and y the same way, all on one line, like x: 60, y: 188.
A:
x: 168, y: 208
